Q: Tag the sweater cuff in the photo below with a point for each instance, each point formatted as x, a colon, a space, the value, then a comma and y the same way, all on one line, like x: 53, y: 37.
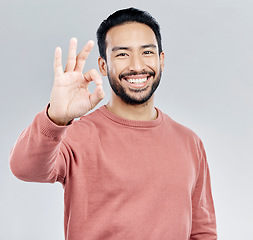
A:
x: 48, y: 127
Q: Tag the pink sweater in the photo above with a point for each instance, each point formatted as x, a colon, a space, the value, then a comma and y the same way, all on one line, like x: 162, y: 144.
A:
x: 123, y: 179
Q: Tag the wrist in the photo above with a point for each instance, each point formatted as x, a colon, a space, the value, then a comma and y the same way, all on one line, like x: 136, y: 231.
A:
x: 57, y: 121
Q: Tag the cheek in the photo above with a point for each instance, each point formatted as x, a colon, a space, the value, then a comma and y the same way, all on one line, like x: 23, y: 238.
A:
x: 153, y: 63
x: 113, y: 72
x: 118, y: 67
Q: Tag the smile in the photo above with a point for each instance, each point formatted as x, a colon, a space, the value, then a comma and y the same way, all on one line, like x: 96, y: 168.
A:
x: 137, y: 80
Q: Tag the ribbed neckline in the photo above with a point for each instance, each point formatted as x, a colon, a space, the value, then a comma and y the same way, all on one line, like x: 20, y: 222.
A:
x: 131, y: 123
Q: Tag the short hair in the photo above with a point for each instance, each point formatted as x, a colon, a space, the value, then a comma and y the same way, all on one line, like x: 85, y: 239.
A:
x: 121, y: 17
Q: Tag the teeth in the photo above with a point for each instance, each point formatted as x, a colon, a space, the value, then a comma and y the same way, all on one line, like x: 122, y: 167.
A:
x: 137, y: 81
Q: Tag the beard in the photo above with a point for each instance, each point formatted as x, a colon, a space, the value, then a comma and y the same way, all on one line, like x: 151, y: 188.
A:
x: 121, y: 92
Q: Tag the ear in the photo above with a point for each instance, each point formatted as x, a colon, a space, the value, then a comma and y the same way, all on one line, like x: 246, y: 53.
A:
x: 162, y: 60
x: 102, y: 66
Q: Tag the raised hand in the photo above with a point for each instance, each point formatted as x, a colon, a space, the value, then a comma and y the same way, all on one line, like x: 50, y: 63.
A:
x: 70, y: 97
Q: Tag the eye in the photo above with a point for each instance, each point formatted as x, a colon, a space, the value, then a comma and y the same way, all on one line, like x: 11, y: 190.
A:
x: 148, y: 52
x: 121, y: 55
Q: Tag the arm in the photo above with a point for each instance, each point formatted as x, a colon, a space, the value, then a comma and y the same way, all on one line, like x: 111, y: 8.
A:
x: 40, y: 153
x: 203, y: 213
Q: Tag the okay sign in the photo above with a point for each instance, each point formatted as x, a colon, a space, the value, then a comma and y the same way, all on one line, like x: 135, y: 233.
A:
x: 70, y: 96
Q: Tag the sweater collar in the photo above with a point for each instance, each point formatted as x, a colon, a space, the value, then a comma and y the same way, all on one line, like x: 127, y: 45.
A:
x: 131, y: 123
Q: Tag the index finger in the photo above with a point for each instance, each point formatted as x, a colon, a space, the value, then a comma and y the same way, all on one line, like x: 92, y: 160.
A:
x: 82, y: 56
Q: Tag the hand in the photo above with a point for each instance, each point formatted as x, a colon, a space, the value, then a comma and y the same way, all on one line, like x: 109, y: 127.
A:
x: 70, y: 97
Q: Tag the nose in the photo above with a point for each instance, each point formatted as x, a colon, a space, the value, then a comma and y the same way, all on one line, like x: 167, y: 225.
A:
x: 136, y: 63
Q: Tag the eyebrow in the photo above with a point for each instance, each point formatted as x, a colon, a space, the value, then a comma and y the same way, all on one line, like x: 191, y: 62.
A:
x: 149, y: 46
x: 128, y: 48
x: 120, y: 48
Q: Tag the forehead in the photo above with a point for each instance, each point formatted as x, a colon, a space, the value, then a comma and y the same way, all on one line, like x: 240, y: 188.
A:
x: 130, y: 35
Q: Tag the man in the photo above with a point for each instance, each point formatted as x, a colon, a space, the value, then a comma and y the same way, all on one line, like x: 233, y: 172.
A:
x: 129, y: 171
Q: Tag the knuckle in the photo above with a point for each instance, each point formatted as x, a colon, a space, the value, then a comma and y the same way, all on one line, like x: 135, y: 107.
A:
x: 80, y: 58
x: 71, y: 59
x: 93, y: 71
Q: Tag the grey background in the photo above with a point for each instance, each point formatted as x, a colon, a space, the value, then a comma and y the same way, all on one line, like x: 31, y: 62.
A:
x: 207, y: 85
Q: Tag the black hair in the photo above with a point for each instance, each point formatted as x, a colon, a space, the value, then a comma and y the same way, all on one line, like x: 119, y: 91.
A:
x: 125, y: 16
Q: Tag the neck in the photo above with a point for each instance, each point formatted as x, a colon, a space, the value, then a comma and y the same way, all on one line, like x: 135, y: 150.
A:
x: 141, y: 112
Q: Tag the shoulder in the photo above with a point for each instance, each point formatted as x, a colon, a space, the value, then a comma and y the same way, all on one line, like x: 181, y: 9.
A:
x: 183, y: 134
x: 84, y: 128
x: 178, y: 128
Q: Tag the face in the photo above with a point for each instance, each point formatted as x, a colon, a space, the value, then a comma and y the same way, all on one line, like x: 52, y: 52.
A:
x: 133, y: 64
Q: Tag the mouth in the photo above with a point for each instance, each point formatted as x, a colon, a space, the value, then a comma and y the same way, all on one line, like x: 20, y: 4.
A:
x: 137, y: 80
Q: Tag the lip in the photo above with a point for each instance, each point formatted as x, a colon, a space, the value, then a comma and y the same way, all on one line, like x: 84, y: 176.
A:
x: 137, y: 77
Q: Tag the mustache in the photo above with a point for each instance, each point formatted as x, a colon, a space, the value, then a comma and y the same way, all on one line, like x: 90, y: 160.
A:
x: 122, y: 75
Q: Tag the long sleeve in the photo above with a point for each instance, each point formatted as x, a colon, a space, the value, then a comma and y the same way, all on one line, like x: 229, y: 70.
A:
x: 38, y: 155
x: 203, y: 213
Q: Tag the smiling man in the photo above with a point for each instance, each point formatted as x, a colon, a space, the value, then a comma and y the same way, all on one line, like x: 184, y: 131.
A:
x: 129, y: 171
x: 133, y: 63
